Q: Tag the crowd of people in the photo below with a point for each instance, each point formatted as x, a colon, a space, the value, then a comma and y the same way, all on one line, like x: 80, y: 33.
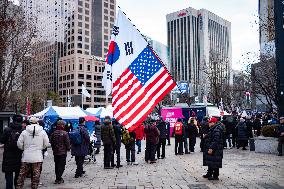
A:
x: 25, y: 143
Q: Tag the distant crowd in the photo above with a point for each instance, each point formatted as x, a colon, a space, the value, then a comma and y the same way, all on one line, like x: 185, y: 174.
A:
x: 25, y: 143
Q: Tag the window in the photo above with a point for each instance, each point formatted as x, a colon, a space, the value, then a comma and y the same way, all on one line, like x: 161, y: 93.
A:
x: 80, y: 24
x: 80, y: 10
x: 111, y: 19
x: 64, y: 92
x: 111, y: 13
x: 105, y: 30
x: 105, y: 17
x: 73, y: 69
x: 105, y: 24
x: 68, y: 77
x: 72, y: 90
x: 88, y: 84
x: 86, y: 40
x: 80, y: 31
x: 80, y: 17
x: 96, y: 70
x: 105, y: 37
x: 87, y: 12
x: 80, y: 83
x: 80, y: 3
x: 87, y: 47
x: 89, y: 77
x: 87, y: 19
x: 106, y: 5
x: 81, y: 67
x: 69, y: 67
x: 87, y: 26
x: 87, y: 32
x: 87, y: 5
x: 80, y: 76
x: 79, y: 45
x: 89, y: 67
x: 79, y: 91
x: 95, y: 77
x: 68, y: 84
x: 72, y: 83
x: 105, y: 11
x: 79, y: 38
x: 64, y: 78
x: 72, y: 76
x: 112, y: 7
x: 95, y: 84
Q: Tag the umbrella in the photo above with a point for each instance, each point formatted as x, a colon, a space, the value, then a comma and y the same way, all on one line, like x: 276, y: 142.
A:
x: 91, y: 118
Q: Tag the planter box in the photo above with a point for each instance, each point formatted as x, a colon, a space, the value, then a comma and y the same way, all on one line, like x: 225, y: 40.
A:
x: 266, y: 145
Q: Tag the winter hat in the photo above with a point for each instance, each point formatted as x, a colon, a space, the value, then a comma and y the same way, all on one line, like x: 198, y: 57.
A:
x: 33, y: 120
x: 213, y: 120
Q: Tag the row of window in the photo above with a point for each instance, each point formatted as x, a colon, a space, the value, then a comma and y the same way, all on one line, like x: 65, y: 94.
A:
x: 89, y: 77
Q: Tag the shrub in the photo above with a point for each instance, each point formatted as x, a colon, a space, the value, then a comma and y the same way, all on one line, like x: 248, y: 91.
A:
x: 269, y: 130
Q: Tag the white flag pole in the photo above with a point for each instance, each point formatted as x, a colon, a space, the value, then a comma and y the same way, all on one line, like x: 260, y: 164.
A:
x: 82, y: 98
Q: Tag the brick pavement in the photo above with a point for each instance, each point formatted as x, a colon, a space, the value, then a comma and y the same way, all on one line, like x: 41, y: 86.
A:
x: 241, y: 169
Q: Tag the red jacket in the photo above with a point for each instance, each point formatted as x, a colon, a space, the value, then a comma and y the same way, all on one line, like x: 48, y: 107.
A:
x: 139, y: 131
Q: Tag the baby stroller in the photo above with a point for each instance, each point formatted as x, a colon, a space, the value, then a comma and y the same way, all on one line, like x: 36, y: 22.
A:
x: 91, y: 156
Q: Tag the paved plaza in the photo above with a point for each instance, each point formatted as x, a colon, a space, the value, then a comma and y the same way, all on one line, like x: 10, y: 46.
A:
x: 241, y: 169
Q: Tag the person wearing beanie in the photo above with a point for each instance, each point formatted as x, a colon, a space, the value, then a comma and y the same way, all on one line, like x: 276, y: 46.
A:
x: 213, y: 149
x: 60, y: 144
x: 32, y: 141
x: 12, y: 155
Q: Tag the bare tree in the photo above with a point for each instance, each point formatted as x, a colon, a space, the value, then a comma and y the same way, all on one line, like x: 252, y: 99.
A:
x: 16, y: 38
x: 217, y: 73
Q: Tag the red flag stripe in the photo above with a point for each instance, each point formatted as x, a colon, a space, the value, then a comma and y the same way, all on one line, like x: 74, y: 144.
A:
x: 128, y: 90
x: 143, y: 97
x: 125, y: 103
x: 163, y: 87
x: 118, y: 81
x: 152, y: 107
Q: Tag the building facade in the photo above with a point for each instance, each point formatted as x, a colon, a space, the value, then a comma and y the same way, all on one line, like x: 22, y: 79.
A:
x: 76, y: 70
x: 194, y: 37
x: 68, y: 28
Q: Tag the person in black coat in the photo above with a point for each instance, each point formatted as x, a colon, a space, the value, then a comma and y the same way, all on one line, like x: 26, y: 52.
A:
x: 204, y: 128
x: 193, y: 132
x: 213, y: 149
x: 243, y: 134
x: 98, y: 133
x: 116, y: 149
x: 12, y: 155
x: 162, y: 139
x: 168, y: 126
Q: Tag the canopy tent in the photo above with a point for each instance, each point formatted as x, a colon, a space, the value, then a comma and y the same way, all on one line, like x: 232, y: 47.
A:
x: 70, y: 114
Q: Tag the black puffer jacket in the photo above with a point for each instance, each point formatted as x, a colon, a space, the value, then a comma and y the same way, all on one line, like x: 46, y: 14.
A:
x: 243, y: 132
x: 214, y: 141
x: 12, y: 154
x: 162, y: 128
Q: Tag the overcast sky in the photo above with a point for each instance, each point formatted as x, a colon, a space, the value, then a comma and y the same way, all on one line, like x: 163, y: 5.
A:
x: 149, y: 16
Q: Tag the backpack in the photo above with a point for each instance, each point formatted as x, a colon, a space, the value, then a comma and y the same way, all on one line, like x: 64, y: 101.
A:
x: 126, y: 138
x: 13, y: 138
x: 75, y: 136
x: 178, y: 128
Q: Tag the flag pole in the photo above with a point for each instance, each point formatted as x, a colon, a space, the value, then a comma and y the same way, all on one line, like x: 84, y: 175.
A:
x: 82, y: 98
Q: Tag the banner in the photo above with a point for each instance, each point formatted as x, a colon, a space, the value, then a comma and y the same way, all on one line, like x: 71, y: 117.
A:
x: 171, y: 115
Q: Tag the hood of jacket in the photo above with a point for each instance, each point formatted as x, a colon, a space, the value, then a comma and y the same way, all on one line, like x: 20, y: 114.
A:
x: 34, y: 128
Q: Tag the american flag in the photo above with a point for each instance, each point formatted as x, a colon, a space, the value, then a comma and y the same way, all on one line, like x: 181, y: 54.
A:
x: 143, y: 81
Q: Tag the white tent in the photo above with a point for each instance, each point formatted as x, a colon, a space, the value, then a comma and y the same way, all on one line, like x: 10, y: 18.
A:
x: 101, y: 111
x: 214, y: 111
x: 63, y: 112
x: 41, y: 113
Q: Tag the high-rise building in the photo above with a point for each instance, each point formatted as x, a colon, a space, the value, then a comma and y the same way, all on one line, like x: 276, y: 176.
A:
x: 69, y: 30
x: 103, y: 16
x: 194, y: 37
x: 266, y: 26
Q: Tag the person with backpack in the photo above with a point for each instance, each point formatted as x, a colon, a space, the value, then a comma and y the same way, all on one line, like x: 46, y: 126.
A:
x: 60, y: 144
x: 109, y: 142
x: 80, y: 141
x: 178, y: 132
x: 12, y: 155
x: 32, y: 141
x: 152, y: 138
x: 130, y: 148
